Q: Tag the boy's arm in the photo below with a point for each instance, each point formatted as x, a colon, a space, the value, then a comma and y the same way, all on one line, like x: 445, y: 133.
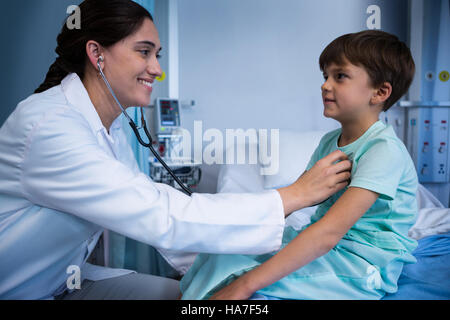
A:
x: 310, y: 244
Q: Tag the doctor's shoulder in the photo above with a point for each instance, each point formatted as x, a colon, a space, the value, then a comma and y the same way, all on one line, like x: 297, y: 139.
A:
x: 44, y: 113
x: 38, y: 106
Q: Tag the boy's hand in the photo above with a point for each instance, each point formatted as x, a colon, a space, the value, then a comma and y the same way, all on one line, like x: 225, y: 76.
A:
x: 236, y: 290
x: 323, y: 180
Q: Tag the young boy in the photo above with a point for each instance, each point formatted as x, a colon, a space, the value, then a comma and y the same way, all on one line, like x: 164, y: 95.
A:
x: 356, y: 244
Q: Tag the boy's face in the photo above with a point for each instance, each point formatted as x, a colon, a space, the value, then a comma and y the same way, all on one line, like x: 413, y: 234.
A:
x: 347, y: 92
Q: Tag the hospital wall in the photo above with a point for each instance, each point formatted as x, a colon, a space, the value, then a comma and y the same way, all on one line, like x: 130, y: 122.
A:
x: 254, y: 63
x: 28, y: 31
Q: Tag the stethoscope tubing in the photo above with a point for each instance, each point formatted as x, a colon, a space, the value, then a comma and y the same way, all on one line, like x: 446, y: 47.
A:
x: 147, y: 133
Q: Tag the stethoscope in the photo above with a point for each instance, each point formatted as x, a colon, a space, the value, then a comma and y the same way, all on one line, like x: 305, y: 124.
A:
x: 136, y: 132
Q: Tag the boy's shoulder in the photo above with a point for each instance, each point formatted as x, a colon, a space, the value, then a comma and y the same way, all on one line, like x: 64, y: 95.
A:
x: 379, y: 132
x: 384, y: 148
x: 385, y: 135
x: 380, y: 138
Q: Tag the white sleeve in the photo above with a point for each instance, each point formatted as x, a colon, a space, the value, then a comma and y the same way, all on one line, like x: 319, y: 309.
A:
x: 65, y: 169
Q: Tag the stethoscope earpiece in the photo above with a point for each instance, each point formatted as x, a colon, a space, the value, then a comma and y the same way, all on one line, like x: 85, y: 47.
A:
x: 100, y: 59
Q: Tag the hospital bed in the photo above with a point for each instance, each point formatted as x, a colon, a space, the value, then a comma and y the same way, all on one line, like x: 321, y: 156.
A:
x: 429, y: 278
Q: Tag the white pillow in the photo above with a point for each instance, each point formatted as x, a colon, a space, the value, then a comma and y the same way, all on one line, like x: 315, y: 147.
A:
x: 430, y: 221
x: 236, y: 178
x: 295, y: 151
x: 433, y: 218
x: 425, y: 199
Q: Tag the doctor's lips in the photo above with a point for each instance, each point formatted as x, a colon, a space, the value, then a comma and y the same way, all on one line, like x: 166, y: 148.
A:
x: 146, y: 82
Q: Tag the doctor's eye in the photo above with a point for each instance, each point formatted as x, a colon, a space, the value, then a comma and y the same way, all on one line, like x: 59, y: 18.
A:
x: 144, y: 52
x: 158, y: 56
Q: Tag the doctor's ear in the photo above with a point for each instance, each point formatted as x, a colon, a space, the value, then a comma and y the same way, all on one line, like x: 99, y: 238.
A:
x: 94, y: 54
x: 382, y: 93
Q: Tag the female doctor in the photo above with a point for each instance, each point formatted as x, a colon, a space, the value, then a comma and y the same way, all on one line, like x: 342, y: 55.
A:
x: 67, y: 173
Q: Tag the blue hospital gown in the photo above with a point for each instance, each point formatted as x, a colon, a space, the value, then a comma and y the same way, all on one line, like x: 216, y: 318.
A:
x: 368, y: 260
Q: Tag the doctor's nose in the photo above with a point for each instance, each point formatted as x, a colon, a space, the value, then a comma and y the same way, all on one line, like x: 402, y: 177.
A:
x: 154, y: 68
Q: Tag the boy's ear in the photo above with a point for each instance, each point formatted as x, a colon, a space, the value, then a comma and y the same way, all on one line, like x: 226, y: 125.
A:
x: 382, y: 93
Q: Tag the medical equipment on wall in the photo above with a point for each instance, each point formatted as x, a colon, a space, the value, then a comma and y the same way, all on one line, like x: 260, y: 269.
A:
x: 147, y: 133
x: 166, y: 125
x: 426, y: 113
x: 428, y: 139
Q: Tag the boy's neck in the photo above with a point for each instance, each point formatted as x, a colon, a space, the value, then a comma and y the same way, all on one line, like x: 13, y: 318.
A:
x: 353, y: 130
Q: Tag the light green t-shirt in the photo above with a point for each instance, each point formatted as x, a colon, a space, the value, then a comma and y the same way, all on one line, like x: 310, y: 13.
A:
x: 368, y: 260
x: 381, y: 164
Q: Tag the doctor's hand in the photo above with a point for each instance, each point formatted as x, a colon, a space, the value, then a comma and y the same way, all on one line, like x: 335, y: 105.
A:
x: 317, y: 184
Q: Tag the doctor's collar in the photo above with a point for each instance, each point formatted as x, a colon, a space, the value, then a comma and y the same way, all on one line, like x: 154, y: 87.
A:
x: 78, y: 97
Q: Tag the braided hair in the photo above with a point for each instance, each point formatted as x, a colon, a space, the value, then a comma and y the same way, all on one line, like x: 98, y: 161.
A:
x: 104, y: 21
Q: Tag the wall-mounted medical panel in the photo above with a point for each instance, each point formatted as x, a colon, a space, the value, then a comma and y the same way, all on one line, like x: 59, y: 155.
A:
x: 428, y: 109
x: 428, y: 142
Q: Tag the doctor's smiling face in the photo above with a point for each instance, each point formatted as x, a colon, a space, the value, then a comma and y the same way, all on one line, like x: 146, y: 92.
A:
x: 131, y: 65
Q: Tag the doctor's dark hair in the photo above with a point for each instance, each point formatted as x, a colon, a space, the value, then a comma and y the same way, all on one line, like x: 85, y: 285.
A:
x: 104, y: 21
x: 384, y: 57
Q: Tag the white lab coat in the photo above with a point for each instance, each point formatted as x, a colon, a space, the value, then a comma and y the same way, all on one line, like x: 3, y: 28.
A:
x: 64, y: 179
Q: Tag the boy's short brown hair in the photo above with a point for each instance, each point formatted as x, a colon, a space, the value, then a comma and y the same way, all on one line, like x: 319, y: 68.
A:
x: 382, y: 55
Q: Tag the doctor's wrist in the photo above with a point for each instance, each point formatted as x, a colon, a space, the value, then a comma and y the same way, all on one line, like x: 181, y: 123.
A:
x: 292, y: 199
